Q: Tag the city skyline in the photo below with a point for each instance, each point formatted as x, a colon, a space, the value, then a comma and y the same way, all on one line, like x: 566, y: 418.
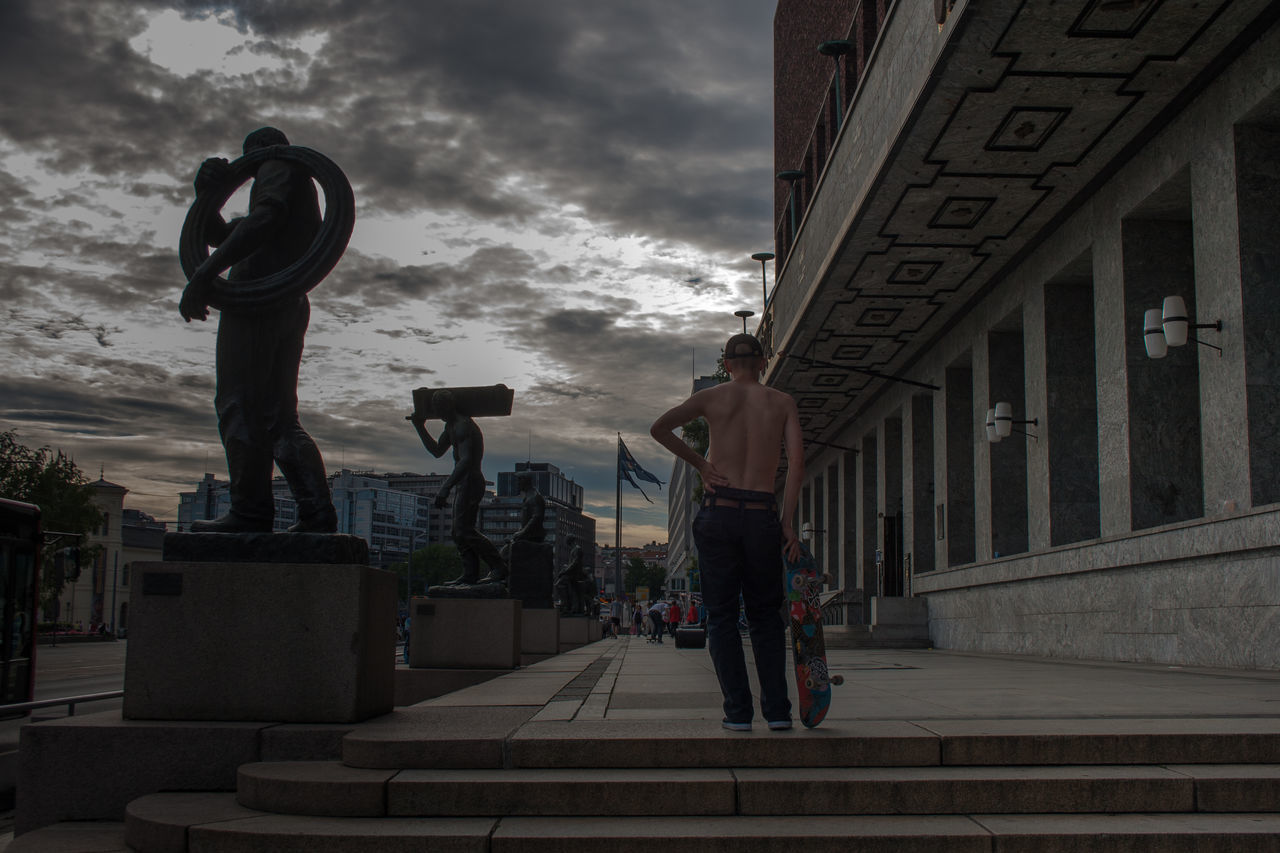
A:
x: 565, y: 203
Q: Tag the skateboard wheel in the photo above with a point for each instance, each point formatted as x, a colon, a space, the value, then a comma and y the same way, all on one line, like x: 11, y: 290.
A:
x: 837, y: 679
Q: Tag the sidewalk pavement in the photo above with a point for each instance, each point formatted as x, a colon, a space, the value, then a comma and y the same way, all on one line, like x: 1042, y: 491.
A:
x: 629, y: 680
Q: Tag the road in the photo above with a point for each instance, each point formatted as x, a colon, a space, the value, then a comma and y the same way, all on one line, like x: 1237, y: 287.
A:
x: 74, y: 669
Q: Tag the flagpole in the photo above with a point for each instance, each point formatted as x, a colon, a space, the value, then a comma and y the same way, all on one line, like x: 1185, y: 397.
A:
x: 617, y: 532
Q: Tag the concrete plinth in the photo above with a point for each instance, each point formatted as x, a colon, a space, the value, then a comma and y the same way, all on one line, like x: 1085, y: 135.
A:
x: 461, y: 633
x: 308, y: 643
x: 577, y: 631
x: 532, y: 573
x: 539, y: 632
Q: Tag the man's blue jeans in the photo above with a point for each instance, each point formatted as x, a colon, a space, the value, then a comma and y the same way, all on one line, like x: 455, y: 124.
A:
x: 739, y: 539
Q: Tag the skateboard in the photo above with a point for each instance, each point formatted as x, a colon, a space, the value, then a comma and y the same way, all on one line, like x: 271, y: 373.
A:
x: 813, y: 680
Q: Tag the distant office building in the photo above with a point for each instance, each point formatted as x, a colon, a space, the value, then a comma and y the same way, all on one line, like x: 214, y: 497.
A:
x: 681, y: 509
x: 500, y: 516
x: 428, y: 486
x: 212, y: 499
x: 388, y: 518
x: 547, y: 479
x: 391, y: 521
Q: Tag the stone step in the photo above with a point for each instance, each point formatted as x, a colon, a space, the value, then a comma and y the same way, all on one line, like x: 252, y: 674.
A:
x: 429, y: 738
x: 178, y: 823
x: 329, y: 788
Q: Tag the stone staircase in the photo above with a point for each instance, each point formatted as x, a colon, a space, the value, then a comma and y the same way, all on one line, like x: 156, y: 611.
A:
x: 519, y: 780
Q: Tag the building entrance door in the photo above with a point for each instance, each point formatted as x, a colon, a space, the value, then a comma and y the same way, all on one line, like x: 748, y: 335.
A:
x: 892, y: 585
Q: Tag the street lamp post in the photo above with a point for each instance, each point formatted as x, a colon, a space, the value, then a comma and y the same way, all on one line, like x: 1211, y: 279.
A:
x: 791, y: 176
x: 763, y: 258
x: 744, y: 314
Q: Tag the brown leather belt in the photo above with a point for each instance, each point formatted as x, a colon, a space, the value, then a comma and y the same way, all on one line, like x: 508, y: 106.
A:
x: 730, y: 502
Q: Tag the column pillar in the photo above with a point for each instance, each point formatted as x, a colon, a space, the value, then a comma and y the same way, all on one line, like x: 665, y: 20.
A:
x: 1113, y: 381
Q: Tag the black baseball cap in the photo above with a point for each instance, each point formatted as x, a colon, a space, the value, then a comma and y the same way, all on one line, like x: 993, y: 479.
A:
x: 743, y: 346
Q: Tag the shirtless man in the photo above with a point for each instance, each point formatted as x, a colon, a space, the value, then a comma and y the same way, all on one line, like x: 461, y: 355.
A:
x: 738, y: 531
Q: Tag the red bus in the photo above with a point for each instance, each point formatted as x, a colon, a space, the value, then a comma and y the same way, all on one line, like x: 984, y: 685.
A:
x: 20, y: 546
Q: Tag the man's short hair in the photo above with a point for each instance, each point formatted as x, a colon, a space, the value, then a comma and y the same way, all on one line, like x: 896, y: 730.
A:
x: 743, y: 346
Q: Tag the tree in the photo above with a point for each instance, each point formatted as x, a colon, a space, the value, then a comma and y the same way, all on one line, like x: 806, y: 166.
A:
x: 639, y: 573
x: 437, y: 563
x: 52, y: 481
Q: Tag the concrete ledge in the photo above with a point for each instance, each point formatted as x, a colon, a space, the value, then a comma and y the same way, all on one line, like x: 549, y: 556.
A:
x: 303, y: 742
x: 743, y: 834
x: 595, y: 791
x: 424, y: 736
x: 1234, y: 787
x: 89, y: 767
x: 158, y: 823
x: 961, y: 790
x: 703, y: 743
x: 83, y: 837
x: 1170, y: 833
x: 1109, y: 741
x: 293, y: 834
x: 313, y: 788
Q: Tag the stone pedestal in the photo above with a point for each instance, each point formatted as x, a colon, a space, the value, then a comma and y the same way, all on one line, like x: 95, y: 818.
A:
x: 532, y: 573
x: 465, y: 633
x: 577, y: 631
x: 284, y: 642
x: 540, y: 632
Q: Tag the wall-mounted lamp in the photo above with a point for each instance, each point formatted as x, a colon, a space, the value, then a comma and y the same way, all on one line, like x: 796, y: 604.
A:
x: 764, y: 258
x: 1169, y: 326
x: 791, y: 176
x: 744, y: 314
x: 1000, y: 423
x: 807, y: 530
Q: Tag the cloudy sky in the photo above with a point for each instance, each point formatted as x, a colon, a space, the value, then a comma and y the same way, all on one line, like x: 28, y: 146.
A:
x: 558, y: 195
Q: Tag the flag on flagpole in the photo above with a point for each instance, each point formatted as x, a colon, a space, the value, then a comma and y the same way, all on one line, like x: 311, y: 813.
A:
x: 627, y: 466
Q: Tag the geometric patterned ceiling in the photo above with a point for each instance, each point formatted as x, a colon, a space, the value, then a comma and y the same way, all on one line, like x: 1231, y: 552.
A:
x: 1032, y: 103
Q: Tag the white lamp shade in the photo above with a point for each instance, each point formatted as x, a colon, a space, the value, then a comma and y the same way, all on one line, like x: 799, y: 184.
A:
x: 1153, y: 334
x: 992, y: 435
x: 1175, y: 321
x: 1004, y: 419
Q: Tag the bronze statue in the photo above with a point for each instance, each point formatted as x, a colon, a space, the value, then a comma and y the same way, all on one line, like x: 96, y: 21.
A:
x: 575, y: 588
x: 467, y: 484
x: 533, y: 513
x: 272, y: 254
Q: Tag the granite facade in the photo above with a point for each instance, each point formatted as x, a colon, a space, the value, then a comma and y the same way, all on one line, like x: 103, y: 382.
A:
x: 1141, y: 524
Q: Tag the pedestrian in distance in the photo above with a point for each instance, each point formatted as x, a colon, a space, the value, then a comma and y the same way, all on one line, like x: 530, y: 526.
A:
x: 740, y: 536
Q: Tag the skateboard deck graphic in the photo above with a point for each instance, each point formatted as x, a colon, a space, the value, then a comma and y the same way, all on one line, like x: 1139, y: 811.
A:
x: 813, y: 680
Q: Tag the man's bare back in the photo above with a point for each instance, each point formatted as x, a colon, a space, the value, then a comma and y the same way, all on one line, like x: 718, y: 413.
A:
x: 749, y: 425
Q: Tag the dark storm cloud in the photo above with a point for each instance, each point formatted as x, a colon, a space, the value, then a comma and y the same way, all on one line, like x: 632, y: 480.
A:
x: 647, y: 115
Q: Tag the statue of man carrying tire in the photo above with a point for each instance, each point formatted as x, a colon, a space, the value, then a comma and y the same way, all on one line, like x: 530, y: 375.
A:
x: 262, y: 326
